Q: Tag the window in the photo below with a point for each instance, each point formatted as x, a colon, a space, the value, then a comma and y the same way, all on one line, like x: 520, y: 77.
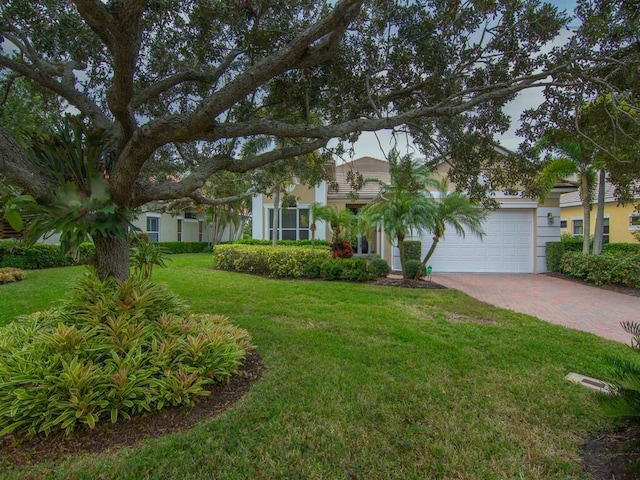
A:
x: 563, y: 224
x: 577, y: 227
x: 179, y: 230
x: 634, y: 221
x: 605, y: 230
x: 153, y: 228
x: 294, y: 224
x: 200, y: 230
x: 190, y: 215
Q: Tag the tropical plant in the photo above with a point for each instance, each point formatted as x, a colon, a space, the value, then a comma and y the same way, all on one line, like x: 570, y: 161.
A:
x: 453, y: 209
x: 111, y: 351
x: 568, y: 157
x: 403, y: 207
x: 145, y: 255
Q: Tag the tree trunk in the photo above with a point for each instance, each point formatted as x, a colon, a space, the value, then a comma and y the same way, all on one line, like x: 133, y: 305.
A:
x: 276, y: 215
x: 586, y: 212
x: 599, y: 228
x: 426, y: 258
x: 112, y: 257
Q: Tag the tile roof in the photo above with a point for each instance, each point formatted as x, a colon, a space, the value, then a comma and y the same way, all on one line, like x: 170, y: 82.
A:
x: 368, y: 167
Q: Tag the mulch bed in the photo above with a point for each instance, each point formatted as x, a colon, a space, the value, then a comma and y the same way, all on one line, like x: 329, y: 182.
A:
x: 408, y: 283
x: 20, y: 450
x: 614, y: 455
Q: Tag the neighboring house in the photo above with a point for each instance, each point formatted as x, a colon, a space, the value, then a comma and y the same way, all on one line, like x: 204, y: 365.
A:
x: 515, y: 239
x: 186, y: 226
x: 620, y: 221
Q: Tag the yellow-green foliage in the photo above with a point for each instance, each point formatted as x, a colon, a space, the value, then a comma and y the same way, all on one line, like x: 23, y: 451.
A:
x: 277, y: 262
x: 9, y: 274
x: 112, y: 350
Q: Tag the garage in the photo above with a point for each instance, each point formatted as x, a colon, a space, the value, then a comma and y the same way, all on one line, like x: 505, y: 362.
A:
x: 507, y: 246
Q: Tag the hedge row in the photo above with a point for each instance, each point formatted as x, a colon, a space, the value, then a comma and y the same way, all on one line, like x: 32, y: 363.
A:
x: 39, y: 255
x: 350, y: 269
x: 278, y: 262
x: 556, y: 250
x: 186, y: 247
x: 605, y: 269
x: 284, y: 243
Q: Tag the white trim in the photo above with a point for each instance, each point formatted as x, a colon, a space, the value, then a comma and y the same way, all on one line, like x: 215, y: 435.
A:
x: 257, y: 219
x: 633, y: 215
x: 152, y: 215
x: 507, y: 205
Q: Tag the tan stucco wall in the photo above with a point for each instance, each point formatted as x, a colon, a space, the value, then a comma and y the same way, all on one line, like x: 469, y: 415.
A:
x: 618, y: 221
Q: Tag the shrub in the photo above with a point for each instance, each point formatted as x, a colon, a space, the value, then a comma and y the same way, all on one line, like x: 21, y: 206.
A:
x: 605, y: 269
x: 380, y: 266
x: 411, y: 268
x: 554, y: 252
x: 9, y: 275
x: 313, y: 269
x: 284, y: 243
x: 112, y: 350
x: 39, y: 255
x: 412, y: 250
x: 332, y: 269
x: 185, y: 247
x: 357, y: 270
x: 269, y: 261
x: 341, y: 249
x: 631, y: 248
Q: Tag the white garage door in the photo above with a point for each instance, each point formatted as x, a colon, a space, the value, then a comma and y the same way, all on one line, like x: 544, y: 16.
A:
x: 507, y: 246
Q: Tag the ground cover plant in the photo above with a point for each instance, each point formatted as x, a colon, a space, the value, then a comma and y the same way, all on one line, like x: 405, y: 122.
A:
x: 112, y: 350
x: 9, y: 274
x: 364, y: 381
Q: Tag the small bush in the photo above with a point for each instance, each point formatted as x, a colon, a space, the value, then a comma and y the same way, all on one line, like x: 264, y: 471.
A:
x: 313, y: 269
x: 281, y: 262
x: 113, y: 350
x: 604, y: 269
x: 332, y: 269
x: 37, y: 256
x: 380, y: 266
x: 554, y: 252
x: 341, y: 249
x: 9, y: 275
x: 413, y: 250
x: 357, y: 270
x: 411, y: 268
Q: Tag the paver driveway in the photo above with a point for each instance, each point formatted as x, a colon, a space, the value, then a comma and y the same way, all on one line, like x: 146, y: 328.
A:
x: 555, y: 300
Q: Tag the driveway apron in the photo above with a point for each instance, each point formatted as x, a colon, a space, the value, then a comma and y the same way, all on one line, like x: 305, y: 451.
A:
x: 563, y: 302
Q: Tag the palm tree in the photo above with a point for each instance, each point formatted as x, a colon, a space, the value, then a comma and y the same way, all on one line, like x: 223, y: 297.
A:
x: 403, y: 206
x: 569, y: 157
x: 456, y: 210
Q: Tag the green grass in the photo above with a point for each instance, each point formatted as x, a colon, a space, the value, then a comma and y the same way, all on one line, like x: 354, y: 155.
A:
x: 365, y: 382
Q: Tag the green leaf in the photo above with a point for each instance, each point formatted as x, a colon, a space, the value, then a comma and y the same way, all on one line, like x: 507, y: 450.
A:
x: 15, y: 219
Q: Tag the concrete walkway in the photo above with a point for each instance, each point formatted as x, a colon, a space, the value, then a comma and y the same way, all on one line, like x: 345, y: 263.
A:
x: 555, y: 300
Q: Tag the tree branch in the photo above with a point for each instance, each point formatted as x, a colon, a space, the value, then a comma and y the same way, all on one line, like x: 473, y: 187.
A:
x: 17, y: 166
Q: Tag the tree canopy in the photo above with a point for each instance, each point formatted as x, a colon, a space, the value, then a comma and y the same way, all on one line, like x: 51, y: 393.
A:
x: 180, y: 85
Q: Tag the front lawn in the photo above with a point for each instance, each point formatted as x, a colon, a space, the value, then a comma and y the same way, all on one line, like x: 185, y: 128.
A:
x: 366, y: 382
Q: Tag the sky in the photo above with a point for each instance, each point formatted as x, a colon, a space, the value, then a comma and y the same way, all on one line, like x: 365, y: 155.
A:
x: 369, y: 143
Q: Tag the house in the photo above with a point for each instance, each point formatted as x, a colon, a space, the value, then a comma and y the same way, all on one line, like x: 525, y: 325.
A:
x: 184, y: 226
x: 515, y: 240
x: 620, y: 221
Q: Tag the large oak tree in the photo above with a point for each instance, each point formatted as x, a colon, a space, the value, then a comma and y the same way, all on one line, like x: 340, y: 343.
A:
x: 165, y: 76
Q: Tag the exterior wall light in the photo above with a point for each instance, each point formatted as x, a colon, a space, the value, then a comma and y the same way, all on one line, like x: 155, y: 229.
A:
x: 550, y: 219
